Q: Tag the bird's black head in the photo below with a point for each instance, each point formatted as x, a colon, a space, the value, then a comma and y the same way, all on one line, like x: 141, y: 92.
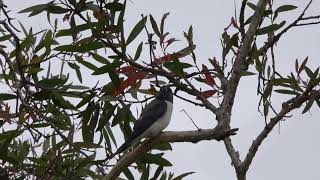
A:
x: 165, y: 93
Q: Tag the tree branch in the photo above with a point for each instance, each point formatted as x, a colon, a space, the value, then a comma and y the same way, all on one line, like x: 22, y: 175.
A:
x: 240, y: 65
x: 177, y: 136
x: 276, y: 38
x: 287, y: 106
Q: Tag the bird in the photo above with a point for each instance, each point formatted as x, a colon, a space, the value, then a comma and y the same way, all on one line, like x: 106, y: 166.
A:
x: 154, y: 118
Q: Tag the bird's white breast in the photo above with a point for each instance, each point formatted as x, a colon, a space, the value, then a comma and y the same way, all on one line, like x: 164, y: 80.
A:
x: 160, y: 124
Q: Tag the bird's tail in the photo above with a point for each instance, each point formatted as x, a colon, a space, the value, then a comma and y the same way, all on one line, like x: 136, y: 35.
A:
x: 124, y: 146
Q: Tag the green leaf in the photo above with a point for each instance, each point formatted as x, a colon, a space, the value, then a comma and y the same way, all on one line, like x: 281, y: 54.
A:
x: 285, y: 8
x: 247, y: 73
x: 110, y: 133
x: 154, y: 26
x: 6, y: 96
x: 164, y: 17
x: 309, y: 72
x: 309, y: 104
x: 79, y: 28
x: 136, y: 30
x: 87, y: 134
x: 40, y: 7
x: 138, y: 52
x: 85, y: 100
x: 128, y: 174
x: 105, y: 117
x: 252, y: 6
x: 61, y: 102
x: 177, y: 67
x: 52, y: 82
x: 180, y: 177
x: 155, y: 159
x: 270, y: 28
x: 109, y: 68
x: 114, y: 6
x: 86, y: 63
x: 157, y: 173
x: 87, y: 145
x: 82, y: 48
x: 77, y: 69
x: 123, y: 114
x: 56, y: 9
x: 102, y: 70
x: 100, y: 59
x: 285, y: 91
x: 163, y: 147
x: 5, y: 37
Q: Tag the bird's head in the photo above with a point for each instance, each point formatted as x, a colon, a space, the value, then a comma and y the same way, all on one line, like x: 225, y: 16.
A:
x: 165, y: 93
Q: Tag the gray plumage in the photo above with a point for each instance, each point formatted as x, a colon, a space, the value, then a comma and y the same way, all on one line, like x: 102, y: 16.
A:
x: 153, y: 119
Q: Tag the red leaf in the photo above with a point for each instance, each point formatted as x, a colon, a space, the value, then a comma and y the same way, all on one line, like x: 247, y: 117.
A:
x: 209, y: 93
x: 126, y: 70
x: 163, y: 59
x: 170, y: 41
x: 234, y: 23
x: 209, y: 78
x: 131, y: 81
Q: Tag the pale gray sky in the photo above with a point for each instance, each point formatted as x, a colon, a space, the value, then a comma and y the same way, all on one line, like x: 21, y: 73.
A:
x: 292, y: 154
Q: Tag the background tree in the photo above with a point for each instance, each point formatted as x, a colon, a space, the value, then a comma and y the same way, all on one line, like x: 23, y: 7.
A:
x: 55, y: 127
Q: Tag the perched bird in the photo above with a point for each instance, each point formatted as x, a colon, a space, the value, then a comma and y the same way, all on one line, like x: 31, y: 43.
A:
x: 153, y: 119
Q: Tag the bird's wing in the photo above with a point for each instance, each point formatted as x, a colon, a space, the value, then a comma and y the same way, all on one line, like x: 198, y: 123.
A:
x: 153, y: 111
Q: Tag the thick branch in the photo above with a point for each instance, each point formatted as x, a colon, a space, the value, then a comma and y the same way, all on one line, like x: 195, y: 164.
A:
x: 286, y: 108
x: 240, y: 63
x: 178, y: 136
x: 239, y: 66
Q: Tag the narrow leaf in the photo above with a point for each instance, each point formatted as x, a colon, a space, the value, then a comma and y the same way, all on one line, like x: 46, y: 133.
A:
x: 136, y: 30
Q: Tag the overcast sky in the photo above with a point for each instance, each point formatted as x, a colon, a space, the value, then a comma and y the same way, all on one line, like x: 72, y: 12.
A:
x: 292, y: 152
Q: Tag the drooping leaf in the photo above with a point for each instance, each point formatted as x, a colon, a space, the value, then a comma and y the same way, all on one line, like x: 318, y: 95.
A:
x: 86, y: 145
x: 6, y: 96
x: 82, y: 48
x: 309, y: 104
x: 209, y: 79
x: 154, y: 26
x: 155, y: 159
x: 164, y: 17
x: 302, y: 66
x: 180, y: 177
x: 270, y: 28
x: 136, y: 30
x: 86, y: 63
x: 208, y: 93
x: 61, y: 102
x: 177, y: 67
x: 5, y: 37
x: 115, y: 6
x: 128, y: 174
x: 252, y: 6
x: 285, y: 8
x: 130, y: 81
x: 39, y: 7
x: 138, y: 52
x: 78, y: 28
x: 285, y: 91
x: 157, y: 173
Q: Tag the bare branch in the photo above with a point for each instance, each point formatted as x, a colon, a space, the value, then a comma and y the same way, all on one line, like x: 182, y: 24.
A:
x: 241, y: 18
x: 178, y: 136
x: 276, y: 38
x: 287, y: 107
